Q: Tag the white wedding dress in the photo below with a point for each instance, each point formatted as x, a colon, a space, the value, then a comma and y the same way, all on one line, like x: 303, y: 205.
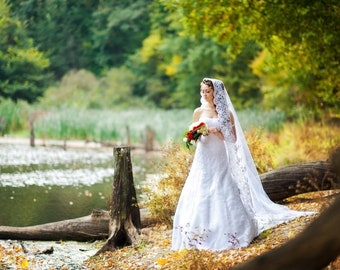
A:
x: 211, y: 212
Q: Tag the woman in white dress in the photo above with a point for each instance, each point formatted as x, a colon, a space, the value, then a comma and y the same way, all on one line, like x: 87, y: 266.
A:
x: 223, y: 204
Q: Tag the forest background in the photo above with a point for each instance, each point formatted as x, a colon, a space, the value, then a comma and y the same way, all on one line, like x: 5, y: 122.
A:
x: 83, y: 69
x: 87, y: 69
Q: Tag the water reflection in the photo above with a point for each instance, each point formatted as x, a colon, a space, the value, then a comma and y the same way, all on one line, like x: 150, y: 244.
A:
x: 47, y: 184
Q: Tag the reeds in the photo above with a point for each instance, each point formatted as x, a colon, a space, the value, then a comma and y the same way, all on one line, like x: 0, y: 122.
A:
x: 116, y: 124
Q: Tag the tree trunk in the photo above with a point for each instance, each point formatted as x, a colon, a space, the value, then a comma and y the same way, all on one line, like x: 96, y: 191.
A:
x: 312, y: 249
x: 124, y: 211
x: 298, y: 178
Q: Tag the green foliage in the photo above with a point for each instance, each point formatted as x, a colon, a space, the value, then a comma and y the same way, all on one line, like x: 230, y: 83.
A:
x: 83, y: 90
x: 75, y: 91
x: 280, y: 54
x: 61, y: 29
x: 170, y: 66
x: 301, y: 38
x: 119, y: 28
x: 88, y: 34
x: 22, y: 66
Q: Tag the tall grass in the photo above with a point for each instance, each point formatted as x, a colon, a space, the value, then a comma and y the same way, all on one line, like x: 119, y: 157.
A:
x: 11, y: 116
x: 112, y: 125
x: 272, y: 120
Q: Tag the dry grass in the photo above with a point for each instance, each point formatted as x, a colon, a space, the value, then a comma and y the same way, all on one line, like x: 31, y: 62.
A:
x: 305, y: 142
x: 161, y: 195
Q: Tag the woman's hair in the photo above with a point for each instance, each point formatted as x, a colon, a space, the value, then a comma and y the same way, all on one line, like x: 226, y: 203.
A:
x: 208, y: 83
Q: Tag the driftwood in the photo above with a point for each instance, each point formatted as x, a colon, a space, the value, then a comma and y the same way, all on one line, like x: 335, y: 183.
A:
x: 312, y: 249
x: 279, y: 184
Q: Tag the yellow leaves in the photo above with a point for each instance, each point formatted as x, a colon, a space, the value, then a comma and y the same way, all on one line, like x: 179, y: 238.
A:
x: 13, y: 256
x: 258, y: 63
x: 24, y: 264
x: 291, y: 234
x: 171, y: 69
x: 150, y: 45
x: 162, y: 262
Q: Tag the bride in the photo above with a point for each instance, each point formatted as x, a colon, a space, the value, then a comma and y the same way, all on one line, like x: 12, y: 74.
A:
x: 223, y: 204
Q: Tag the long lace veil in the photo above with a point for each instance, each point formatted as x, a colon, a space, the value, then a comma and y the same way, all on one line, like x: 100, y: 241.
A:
x: 265, y: 212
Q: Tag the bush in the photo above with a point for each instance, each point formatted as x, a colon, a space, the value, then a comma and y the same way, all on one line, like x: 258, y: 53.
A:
x: 162, y: 192
x: 12, y: 116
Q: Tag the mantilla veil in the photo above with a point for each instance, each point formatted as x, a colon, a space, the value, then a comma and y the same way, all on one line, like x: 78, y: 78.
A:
x: 265, y: 212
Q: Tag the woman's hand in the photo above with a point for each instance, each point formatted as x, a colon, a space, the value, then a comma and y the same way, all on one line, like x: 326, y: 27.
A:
x: 215, y: 131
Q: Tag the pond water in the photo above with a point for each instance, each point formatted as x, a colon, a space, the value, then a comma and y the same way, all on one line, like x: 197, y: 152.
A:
x: 47, y: 184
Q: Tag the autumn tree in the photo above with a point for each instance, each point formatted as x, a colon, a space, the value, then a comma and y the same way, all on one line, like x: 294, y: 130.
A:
x: 300, y: 42
x: 170, y: 65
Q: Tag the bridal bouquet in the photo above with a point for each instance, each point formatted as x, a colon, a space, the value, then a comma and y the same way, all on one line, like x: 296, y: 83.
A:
x: 194, y: 133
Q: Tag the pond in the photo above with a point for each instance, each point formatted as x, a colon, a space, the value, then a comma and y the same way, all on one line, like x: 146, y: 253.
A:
x: 46, y: 184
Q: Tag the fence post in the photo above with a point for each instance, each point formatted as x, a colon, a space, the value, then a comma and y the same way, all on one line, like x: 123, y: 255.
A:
x: 128, y: 135
x: 32, y: 136
x: 149, y: 139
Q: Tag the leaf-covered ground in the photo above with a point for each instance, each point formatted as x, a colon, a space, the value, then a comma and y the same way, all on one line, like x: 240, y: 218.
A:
x: 153, y: 249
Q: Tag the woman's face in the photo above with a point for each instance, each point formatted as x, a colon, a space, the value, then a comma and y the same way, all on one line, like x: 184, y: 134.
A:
x: 207, y: 93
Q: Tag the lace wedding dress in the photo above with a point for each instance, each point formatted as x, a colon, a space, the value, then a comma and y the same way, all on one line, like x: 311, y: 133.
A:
x: 223, y: 204
x: 210, y: 213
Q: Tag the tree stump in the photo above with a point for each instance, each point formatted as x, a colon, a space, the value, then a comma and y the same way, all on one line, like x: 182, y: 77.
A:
x: 124, y: 211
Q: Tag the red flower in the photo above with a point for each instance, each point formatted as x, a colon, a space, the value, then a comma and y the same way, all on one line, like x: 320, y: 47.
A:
x: 194, y: 133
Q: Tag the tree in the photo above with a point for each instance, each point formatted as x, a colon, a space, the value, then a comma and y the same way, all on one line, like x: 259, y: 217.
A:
x: 170, y: 66
x: 118, y: 30
x: 22, y: 66
x: 301, y: 38
x: 61, y: 29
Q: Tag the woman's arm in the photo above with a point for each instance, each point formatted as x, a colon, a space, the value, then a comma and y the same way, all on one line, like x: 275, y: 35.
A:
x: 196, y: 115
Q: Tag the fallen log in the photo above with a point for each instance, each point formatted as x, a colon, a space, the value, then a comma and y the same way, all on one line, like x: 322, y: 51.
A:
x: 279, y: 184
x: 296, y: 179
x: 88, y: 228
